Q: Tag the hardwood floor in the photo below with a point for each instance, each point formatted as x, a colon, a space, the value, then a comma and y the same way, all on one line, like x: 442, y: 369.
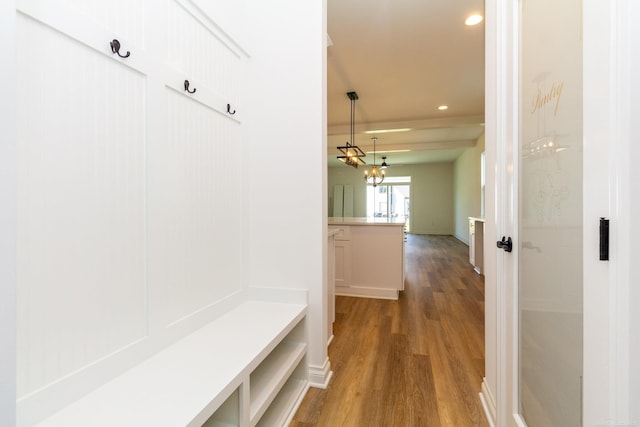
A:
x: 418, y: 361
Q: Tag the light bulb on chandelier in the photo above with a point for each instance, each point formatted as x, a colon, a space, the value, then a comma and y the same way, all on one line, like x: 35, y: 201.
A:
x: 375, y: 176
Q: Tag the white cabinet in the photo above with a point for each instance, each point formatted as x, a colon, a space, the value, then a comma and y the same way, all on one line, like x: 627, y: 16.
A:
x: 342, y: 260
x: 472, y: 241
x: 331, y: 284
x: 476, y: 244
x: 369, y: 257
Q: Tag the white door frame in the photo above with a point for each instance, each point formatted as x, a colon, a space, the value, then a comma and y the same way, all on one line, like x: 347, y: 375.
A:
x: 7, y: 215
x: 611, y: 382
x: 501, y: 112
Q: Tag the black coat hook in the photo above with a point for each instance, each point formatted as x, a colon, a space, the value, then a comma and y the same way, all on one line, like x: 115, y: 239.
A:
x: 115, y: 48
x: 186, y: 87
x: 229, y: 109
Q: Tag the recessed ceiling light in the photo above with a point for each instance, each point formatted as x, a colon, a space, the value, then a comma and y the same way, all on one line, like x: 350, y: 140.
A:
x: 388, y: 130
x: 473, y: 20
x: 443, y: 107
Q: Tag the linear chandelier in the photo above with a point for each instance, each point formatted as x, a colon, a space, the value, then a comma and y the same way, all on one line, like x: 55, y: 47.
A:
x: 351, y: 154
x: 375, y: 176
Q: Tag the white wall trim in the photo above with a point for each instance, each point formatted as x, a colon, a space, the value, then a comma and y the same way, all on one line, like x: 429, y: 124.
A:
x: 320, y: 376
x: 330, y: 340
x: 461, y: 239
x: 519, y: 421
x: 362, y: 292
x: 488, y: 403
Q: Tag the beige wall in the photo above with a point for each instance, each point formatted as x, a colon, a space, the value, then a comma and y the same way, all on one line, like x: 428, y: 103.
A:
x: 466, y: 184
x: 432, y: 194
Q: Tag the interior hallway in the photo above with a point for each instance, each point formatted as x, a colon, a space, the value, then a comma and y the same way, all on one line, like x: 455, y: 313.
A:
x: 418, y: 361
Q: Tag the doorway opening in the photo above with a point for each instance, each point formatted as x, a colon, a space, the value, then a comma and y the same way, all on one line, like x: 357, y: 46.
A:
x: 391, y: 199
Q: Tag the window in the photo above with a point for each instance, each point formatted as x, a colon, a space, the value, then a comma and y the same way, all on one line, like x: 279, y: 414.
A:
x: 391, y: 199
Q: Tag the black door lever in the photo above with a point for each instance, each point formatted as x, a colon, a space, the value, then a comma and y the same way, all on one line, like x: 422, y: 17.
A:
x: 505, y: 244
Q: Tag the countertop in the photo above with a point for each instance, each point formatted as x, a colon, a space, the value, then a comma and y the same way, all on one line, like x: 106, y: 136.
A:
x: 365, y: 221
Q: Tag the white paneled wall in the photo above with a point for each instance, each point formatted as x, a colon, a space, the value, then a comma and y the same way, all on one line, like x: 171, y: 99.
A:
x: 217, y: 63
x: 123, y: 17
x: 201, y: 244
x: 81, y: 206
x: 112, y: 260
x: 130, y: 206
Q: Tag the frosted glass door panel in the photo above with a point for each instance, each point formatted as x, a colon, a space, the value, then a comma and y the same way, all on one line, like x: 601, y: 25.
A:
x: 550, y: 253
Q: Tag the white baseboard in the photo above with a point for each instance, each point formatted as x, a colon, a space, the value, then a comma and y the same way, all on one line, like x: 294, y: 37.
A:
x: 353, y: 291
x: 488, y: 403
x: 462, y: 239
x: 520, y: 422
x: 320, y: 376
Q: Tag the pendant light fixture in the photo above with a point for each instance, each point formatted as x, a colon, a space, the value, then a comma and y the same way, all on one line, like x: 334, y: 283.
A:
x: 374, y: 176
x: 351, y: 154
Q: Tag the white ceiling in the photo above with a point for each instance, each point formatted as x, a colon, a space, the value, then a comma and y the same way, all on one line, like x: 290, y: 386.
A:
x: 404, y: 58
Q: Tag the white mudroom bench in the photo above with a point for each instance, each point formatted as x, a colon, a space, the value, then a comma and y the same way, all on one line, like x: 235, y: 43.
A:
x: 245, y: 368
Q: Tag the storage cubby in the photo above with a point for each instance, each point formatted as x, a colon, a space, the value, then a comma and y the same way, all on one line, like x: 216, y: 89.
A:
x: 228, y: 414
x: 287, y: 399
x: 269, y: 378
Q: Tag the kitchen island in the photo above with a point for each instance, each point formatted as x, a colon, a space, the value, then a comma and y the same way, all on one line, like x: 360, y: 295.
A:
x: 369, y: 256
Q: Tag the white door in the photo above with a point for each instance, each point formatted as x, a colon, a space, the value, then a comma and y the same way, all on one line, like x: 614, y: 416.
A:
x: 564, y: 96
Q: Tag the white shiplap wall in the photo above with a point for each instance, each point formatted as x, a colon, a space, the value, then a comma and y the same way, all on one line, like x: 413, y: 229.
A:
x: 129, y: 190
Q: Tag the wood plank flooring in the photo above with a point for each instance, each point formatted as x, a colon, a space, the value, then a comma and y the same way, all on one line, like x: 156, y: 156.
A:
x: 418, y: 361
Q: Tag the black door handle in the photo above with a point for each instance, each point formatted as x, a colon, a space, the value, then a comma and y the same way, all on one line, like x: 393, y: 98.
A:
x: 604, y: 239
x: 505, y: 244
